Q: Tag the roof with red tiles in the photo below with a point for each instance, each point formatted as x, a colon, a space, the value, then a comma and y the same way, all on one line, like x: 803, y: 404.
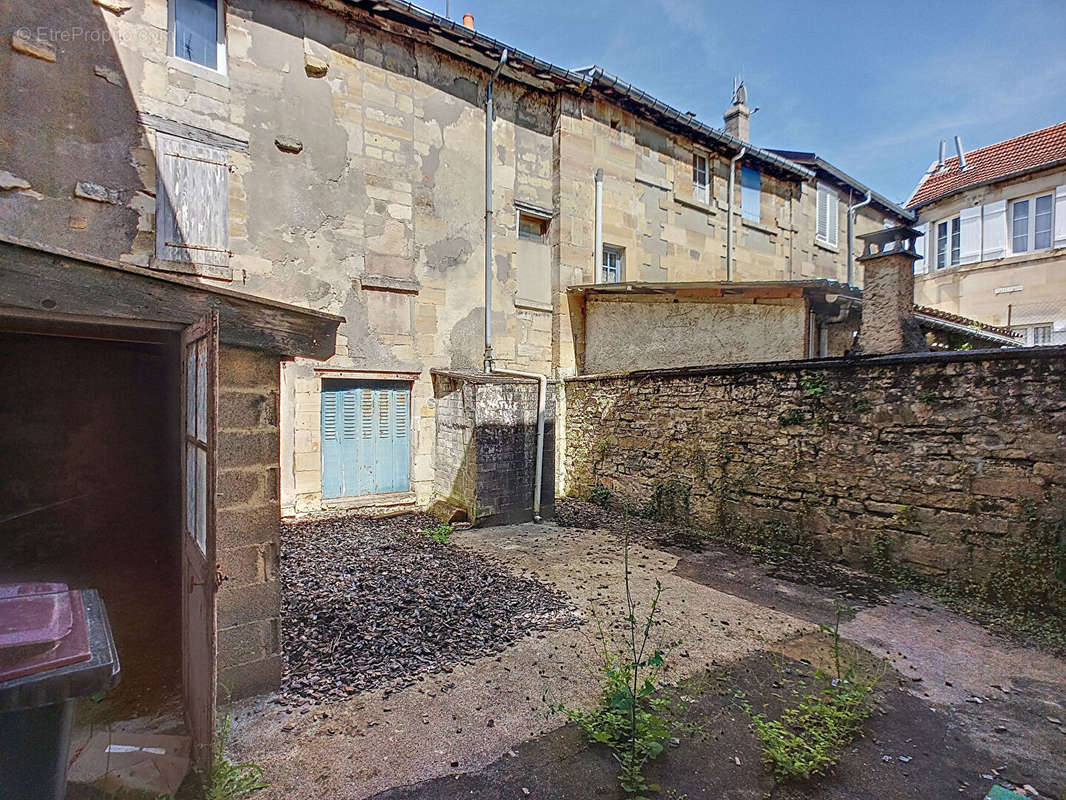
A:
x: 1021, y: 154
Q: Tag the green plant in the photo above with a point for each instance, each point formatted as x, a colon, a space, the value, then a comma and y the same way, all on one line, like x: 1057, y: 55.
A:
x: 862, y: 404
x: 669, y: 502
x: 631, y: 717
x: 439, y: 534
x: 792, y: 416
x: 600, y: 496
x: 813, y: 385
x: 229, y: 781
x: 811, y: 735
x: 926, y: 397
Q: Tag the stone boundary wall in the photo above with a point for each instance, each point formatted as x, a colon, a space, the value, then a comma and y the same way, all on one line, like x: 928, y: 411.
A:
x: 939, y: 458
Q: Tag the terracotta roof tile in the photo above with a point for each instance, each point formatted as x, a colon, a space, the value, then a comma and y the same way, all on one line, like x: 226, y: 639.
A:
x: 1028, y: 151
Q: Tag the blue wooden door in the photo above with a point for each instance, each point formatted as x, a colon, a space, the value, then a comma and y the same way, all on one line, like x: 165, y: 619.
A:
x: 365, y: 437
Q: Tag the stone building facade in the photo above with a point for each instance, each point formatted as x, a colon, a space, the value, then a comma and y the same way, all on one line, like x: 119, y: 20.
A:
x: 342, y: 169
x: 995, y: 235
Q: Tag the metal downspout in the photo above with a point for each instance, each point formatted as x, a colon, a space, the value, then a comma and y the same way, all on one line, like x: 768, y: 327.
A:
x: 542, y: 380
x: 851, y: 236
x: 598, y: 262
x: 729, y: 213
x: 488, y: 212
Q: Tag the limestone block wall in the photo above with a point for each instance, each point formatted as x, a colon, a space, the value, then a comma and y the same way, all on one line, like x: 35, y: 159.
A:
x: 938, y: 457
x: 248, y: 524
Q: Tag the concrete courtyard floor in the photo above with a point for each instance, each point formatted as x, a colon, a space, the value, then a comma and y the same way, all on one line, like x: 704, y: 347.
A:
x: 482, y: 729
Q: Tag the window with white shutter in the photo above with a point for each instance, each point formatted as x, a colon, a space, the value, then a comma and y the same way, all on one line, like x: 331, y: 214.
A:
x: 1031, y: 223
x: 828, y: 221
x: 192, y: 203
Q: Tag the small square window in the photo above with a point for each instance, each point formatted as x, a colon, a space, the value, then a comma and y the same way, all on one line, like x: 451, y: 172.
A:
x: 530, y: 227
x: 613, y: 266
x: 197, y: 32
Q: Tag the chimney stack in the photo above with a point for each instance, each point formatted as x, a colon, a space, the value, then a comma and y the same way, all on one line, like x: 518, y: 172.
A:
x: 888, y: 323
x: 940, y: 161
x: 468, y: 21
x: 962, y: 154
x: 738, y: 116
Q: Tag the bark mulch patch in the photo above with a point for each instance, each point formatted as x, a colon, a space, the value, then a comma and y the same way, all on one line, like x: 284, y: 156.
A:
x: 374, y: 602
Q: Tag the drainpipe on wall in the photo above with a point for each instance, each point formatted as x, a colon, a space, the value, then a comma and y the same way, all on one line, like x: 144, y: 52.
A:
x: 542, y: 380
x: 488, y: 213
x: 729, y: 214
x: 851, y: 236
x: 598, y: 262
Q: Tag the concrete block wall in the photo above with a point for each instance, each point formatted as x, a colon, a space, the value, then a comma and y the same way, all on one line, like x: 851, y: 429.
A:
x: 486, y: 446
x: 248, y: 524
x: 935, y: 455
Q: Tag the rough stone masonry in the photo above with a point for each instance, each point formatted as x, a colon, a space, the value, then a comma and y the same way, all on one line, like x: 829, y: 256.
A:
x: 940, y: 457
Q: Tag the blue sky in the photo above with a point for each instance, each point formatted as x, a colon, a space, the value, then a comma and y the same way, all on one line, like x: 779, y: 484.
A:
x: 870, y: 87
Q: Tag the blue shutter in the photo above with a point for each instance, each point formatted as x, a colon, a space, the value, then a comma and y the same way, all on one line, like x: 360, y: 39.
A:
x: 365, y: 438
x: 750, y: 193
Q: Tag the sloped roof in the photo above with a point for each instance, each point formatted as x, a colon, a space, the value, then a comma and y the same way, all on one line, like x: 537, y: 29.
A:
x: 997, y: 161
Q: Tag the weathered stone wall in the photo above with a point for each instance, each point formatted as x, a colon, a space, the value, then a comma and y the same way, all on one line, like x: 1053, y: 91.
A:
x: 660, y: 333
x: 933, y: 456
x: 248, y: 524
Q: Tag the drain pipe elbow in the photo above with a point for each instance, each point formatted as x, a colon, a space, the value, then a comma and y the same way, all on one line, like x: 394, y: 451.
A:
x: 851, y: 235
x: 729, y: 213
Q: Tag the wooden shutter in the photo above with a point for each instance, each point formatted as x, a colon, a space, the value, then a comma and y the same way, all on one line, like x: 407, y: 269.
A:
x: 970, y: 235
x: 192, y: 221
x: 1059, y: 223
x: 921, y: 266
x: 822, y: 223
x: 994, y: 225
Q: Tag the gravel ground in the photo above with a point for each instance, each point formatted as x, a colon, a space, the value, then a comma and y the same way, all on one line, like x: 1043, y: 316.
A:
x: 374, y: 602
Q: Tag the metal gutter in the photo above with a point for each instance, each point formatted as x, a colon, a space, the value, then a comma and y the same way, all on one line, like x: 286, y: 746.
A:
x: 575, y: 80
x: 956, y: 327
x: 598, y: 74
x: 843, y: 177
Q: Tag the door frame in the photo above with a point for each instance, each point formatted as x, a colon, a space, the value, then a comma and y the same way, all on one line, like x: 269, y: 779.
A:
x: 199, y: 564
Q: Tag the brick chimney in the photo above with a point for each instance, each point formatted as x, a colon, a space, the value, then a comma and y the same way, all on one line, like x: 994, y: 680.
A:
x: 738, y: 116
x: 888, y: 323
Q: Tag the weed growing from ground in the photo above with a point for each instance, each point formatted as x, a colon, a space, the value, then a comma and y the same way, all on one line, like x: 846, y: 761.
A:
x: 600, y: 496
x: 812, y: 733
x: 439, y: 534
x: 632, y: 718
x: 229, y: 781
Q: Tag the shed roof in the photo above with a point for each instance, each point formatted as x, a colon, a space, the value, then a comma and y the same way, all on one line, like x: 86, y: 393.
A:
x: 1013, y: 157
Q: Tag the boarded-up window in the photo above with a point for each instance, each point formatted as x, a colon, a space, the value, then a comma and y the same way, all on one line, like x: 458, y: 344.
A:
x: 534, y: 261
x: 192, y: 207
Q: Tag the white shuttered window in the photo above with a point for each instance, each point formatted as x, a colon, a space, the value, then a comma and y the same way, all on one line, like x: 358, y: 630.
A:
x: 828, y: 216
x: 192, y: 203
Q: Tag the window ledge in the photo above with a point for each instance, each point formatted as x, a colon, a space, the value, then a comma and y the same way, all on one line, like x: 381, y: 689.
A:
x: 197, y: 71
x: 188, y: 268
x: 386, y: 283
x: 692, y: 202
x: 826, y: 246
x: 758, y: 226
x: 1021, y: 259
x: 532, y: 305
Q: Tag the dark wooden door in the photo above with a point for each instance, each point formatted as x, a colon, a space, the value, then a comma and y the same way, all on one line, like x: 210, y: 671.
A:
x: 199, y: 398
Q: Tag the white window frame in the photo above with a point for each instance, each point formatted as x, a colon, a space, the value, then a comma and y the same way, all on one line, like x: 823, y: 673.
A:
x: 220, y: 38
x: 701, y: 189
x: 831, y: 236
x: 618, y: 268
x: 1030, y: 236
x: 1029, y: 332
x: 953, y: 251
